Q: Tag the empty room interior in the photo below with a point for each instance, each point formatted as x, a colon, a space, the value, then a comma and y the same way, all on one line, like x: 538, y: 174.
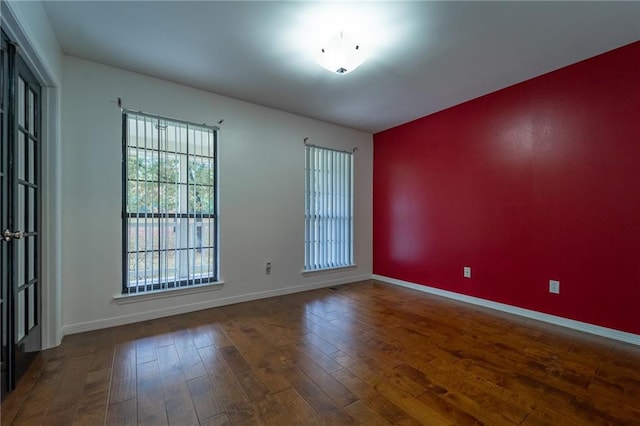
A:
x: 311, y: 213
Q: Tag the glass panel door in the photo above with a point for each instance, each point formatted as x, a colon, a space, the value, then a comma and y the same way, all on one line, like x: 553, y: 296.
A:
x: 21, y: 147
x: 26, y: 218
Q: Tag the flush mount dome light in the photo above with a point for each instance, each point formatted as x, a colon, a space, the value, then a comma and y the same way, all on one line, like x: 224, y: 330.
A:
x: 341, y: 55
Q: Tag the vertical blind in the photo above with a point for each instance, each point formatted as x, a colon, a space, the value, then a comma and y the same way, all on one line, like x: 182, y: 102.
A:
x: 328, y: 208
x: 169, y: 203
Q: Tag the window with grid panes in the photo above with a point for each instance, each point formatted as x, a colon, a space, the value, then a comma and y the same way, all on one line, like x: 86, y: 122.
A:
x: 170, y: 223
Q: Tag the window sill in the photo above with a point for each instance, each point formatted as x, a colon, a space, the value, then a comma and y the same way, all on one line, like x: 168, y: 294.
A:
x: 312, y: 272
x: 123, y: 299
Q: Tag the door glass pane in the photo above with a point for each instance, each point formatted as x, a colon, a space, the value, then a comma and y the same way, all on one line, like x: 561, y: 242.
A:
x: 20, y: 329
x: 20, y: 253
x: 31, y: 160
x: 32, y: 115
x: 20, y: 156
x: 19, y: 216
x: 31, y: 262
x: 21, y: 96
x: 31, y: 210
x: 32, y: 307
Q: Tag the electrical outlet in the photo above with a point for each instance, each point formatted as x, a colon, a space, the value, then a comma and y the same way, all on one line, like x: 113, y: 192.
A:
x: 467, y: 272
x: 554, y: 286
x: 267, y: 268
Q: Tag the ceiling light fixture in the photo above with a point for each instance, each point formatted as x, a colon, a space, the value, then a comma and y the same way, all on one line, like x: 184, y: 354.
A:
x: 341, y: 55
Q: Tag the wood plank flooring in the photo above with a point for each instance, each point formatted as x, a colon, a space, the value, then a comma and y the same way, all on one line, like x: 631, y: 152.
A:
x: 365, y: 353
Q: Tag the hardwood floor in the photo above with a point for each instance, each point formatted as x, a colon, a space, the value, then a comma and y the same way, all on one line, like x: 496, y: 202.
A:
x: 365, y: 353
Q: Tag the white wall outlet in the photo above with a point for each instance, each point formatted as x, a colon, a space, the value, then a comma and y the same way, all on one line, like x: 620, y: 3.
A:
x: 467, y: 272
x: 554, y: 286
x: 267, y: 267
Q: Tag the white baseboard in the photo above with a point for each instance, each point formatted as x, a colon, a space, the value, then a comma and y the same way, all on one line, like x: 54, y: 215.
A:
x: 192, y: 307
x: 552, y: 319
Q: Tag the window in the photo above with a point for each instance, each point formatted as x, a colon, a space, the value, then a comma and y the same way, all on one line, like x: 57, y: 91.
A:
x: 169, y: 221
x: 328, y: 208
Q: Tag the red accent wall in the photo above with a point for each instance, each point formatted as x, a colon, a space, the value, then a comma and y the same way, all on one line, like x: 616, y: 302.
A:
x: 537, y: 181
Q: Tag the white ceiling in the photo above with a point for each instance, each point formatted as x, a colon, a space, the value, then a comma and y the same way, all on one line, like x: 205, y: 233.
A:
x: 423, y: 56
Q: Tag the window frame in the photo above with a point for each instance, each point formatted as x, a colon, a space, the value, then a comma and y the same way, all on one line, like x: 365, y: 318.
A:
x: 160, y: 285
x: 341, y: 257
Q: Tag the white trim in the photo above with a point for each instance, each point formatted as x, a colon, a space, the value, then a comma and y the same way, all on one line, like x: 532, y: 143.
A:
x: 312, y: 272
x: 51, y: 220
x: 12, y: 23
x: 123, y: 299
x: 540, y: 316
x: 175, y: 310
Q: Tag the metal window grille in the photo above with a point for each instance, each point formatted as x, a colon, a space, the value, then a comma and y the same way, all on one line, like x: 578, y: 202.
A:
x: 328, y: 208
x: 170, y: 226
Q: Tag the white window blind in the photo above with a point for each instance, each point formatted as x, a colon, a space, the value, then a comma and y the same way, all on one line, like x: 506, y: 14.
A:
x: 328, y: 208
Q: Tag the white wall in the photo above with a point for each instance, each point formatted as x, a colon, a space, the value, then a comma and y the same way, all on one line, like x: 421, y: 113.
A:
x: 261, y: 157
